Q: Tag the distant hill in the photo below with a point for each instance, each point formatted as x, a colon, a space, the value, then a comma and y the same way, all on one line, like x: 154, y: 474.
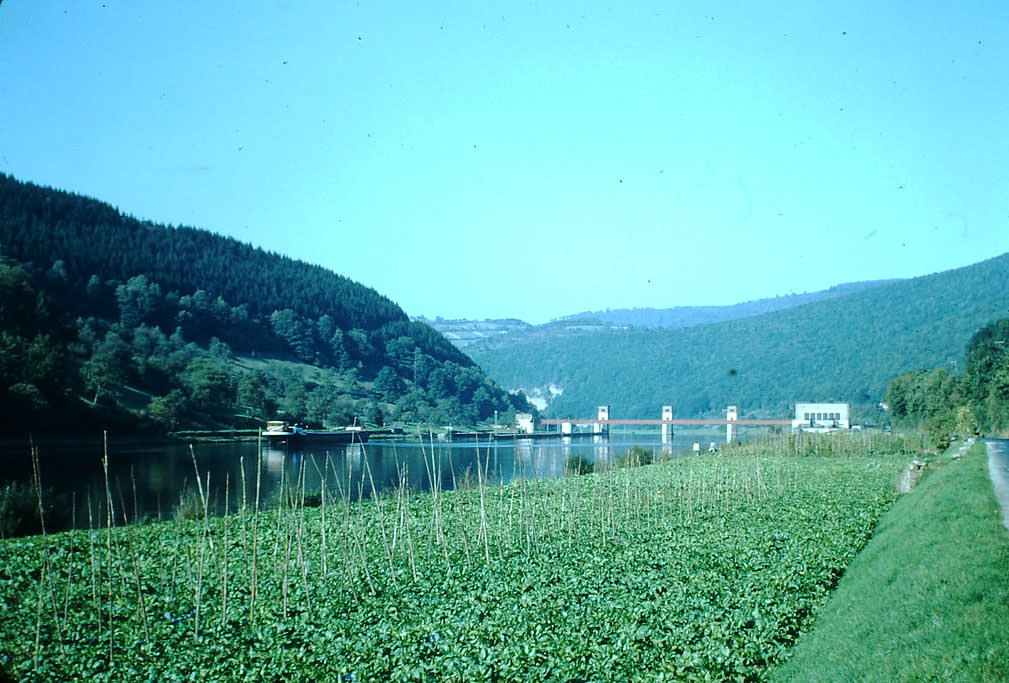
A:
x: 688, y: 316
x: 843, y: 348
x: 106, y: 316
x: 462, y: 332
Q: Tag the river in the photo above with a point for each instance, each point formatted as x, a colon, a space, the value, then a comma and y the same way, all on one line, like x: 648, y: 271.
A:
x: 146, y: 481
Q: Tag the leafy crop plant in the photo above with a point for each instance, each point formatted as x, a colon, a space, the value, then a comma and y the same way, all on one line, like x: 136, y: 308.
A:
x: 706, y: 566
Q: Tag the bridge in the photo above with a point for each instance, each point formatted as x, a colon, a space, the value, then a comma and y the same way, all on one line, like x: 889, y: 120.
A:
x: 602, y: 421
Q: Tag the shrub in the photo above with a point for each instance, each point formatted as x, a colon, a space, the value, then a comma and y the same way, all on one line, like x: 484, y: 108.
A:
x: 19, y: 510
x: 939, y: 431
x: 579, y: 463
x: 189, y: 506
x: 635, y: 456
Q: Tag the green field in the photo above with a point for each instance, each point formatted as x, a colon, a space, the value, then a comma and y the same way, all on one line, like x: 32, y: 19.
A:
x: 928, y: 598
x: 708, y: 566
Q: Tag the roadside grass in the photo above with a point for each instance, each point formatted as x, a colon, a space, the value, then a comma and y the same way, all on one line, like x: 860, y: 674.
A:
x: 928, y: 598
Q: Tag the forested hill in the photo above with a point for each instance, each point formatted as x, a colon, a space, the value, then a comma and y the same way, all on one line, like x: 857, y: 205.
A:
x: 846, y: 348
x: 688, y: 316
x: 38, y: 225
x: 463, y: 333
x: 130, y: 311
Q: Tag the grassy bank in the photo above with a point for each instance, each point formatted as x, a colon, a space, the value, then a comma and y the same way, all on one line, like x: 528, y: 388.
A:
x: 709, y: 566
x: 928, y: 598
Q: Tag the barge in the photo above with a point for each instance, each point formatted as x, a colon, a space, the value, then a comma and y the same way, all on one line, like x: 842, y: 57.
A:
x: 280, y: 432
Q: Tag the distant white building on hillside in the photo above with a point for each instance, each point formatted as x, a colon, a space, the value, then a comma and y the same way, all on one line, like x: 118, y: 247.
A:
x: 821, y: 416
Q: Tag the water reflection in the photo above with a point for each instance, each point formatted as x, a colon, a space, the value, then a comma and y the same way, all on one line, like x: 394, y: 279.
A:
x: 151, y: 482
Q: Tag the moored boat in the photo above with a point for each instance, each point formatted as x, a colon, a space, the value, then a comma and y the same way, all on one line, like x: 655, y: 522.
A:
x: 278, y: 431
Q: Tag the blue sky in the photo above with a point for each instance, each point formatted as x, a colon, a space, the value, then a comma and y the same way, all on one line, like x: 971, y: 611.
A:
x: 530, y: 160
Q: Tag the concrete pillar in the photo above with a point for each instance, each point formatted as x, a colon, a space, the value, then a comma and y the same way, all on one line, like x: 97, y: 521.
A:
x: 566, y: 428
x: 731, y: 429
x: 667, y: 427
x: 602, y: 414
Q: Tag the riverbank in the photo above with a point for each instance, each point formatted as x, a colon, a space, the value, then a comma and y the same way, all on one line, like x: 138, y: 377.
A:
x: 702, y: 566
x: 928, y: 598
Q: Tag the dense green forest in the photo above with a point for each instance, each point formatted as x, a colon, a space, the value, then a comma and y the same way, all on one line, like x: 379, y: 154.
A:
x: 845, y: 349
x: 963, y: 400
x: 105, y: 318
x: 689, y: 316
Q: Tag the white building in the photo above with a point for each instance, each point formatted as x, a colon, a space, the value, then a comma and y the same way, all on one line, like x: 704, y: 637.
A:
x: 821, y: 416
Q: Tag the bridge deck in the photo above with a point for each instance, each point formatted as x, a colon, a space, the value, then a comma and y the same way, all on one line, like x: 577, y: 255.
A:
x: 557, y: 421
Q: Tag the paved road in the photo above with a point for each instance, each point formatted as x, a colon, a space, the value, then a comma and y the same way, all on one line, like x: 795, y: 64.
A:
x: 998, y: 468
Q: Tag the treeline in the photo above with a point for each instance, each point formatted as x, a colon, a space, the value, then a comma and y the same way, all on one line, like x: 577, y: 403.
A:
x: 845, y: 349
x: 689, y: 316
x: 948, y: 402
x: 39, y: 225
x: 168, y: 328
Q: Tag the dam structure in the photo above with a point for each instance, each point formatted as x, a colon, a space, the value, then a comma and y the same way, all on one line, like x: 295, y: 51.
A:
x: 667, y: 422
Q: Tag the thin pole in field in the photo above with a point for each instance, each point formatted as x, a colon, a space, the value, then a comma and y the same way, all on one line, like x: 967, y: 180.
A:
x: 224, y: 563
x: 108, y: 534
x: 377, y: 495
x: 253, y: 575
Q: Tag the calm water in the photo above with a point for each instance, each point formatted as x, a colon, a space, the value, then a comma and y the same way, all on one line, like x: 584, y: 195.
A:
x: 146, y: 481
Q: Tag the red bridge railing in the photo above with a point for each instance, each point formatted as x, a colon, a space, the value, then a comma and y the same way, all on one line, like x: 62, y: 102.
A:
x: 560, y: 420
